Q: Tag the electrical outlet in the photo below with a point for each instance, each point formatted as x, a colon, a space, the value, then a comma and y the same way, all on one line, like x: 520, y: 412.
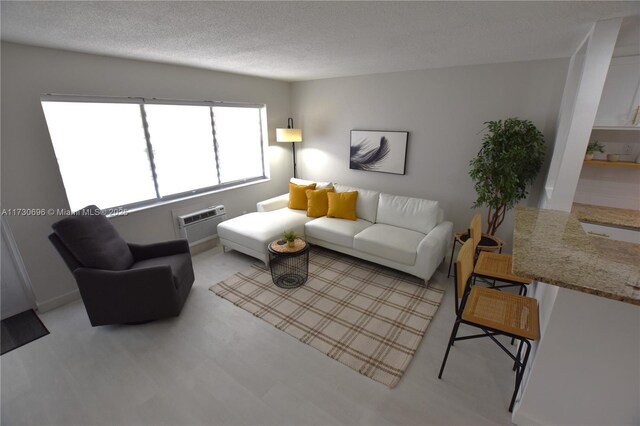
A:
x: 627, y: 149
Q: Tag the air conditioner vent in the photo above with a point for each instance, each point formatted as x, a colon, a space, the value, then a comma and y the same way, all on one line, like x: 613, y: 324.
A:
x: 201, y: 225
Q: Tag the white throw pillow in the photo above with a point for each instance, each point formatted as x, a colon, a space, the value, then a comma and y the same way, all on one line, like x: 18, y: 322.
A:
x: 366, y: 203
x: 304, y: 182
x: 405, y: 212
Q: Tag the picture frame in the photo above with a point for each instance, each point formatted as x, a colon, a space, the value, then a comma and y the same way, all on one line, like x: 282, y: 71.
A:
x: 383, y: 151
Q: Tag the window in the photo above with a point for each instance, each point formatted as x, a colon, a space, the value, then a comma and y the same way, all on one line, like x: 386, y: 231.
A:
x: 133, y: 152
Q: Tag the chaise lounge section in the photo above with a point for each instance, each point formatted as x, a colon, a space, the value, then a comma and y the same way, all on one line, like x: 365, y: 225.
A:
x: 404, y: 233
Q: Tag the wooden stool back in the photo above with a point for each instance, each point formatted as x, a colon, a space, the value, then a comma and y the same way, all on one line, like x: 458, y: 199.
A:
x: 475, y: 229
x: 464, y: 267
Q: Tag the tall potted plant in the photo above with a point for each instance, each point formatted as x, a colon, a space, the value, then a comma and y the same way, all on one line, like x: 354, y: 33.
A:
x: 510, y: 158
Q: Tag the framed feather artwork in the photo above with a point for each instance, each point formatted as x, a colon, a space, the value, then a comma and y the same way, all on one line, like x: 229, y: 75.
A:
x: 378, y: 151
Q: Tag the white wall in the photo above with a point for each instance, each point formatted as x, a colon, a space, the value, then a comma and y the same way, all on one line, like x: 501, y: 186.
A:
x: 15, y: 294
x: 443, y: 110
x: 30, y: 176
x: 587, y: 367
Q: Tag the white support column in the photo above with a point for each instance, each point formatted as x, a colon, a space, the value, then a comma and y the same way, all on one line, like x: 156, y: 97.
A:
x: 583, y: 89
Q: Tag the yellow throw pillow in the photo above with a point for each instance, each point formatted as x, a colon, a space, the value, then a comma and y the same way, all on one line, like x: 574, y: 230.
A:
x: 342, y: 205
x: 318, y: 203
x: 298, y: 196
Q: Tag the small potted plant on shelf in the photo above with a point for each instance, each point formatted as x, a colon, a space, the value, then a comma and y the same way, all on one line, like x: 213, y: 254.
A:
x: 592, y: 148
x: 290, y: 237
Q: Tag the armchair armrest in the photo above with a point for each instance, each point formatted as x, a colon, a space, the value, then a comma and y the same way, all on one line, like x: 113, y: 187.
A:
x: 166, y: 248
x: 127, y: 296
x: 274, y: 203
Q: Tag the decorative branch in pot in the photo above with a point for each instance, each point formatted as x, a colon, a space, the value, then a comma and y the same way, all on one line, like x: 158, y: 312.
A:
x: 510, y: 158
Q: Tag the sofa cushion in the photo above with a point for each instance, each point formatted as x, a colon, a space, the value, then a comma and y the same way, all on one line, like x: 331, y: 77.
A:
x: 317, y: 202
x: 342, y: 205
x: 256, y: 230
x: 416, y: 214
x: 336, y: 231
x: 389, y: 242
x: 367, y: 203
x: 298, y: 196
x: 304, y: 182
x: 93, y: 240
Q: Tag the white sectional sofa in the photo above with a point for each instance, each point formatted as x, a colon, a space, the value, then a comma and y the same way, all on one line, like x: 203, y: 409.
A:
x: 403, y: 233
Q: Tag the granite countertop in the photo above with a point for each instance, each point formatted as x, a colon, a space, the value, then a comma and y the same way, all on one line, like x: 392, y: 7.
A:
x: 551, y: 246
x: 608, y: 216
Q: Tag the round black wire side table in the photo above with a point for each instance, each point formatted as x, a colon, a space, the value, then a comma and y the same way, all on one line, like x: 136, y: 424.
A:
x: 289, y: 264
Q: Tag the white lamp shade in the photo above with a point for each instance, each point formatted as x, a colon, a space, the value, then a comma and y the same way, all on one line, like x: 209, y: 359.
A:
x: 289, y: 135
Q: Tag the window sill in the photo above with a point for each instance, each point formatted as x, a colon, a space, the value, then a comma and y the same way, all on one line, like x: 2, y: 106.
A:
x: 127, y: 211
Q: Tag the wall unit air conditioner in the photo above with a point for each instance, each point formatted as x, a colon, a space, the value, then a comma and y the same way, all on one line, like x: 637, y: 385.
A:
x: 202, y: 225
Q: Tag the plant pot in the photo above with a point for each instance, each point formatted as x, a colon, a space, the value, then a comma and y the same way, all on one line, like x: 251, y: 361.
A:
x: 588, y: 157
x: 291, y: 243
x: 613, y: 157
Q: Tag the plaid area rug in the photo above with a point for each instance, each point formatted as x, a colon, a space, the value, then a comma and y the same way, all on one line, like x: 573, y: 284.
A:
x: 363, y: 315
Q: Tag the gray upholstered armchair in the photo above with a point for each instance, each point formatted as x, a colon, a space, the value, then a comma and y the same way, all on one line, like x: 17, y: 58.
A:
x: 120, y: 282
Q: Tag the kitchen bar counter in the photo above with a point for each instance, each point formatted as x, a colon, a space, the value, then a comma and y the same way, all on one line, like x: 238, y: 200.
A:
x: 608, y: 216
x: 550, y: 246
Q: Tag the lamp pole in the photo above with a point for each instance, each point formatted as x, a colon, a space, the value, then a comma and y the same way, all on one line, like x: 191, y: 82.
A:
x: 293, y: 148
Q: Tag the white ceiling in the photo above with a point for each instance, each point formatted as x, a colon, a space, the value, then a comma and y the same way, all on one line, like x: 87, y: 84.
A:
x: 307, y: 40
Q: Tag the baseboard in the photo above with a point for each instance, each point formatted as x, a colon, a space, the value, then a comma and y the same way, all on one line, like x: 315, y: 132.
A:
x: 57, y: 301
x: 519, y: 418
x: 204, y: 246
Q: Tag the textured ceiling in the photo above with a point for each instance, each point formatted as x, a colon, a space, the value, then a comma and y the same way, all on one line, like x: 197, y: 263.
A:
x: 306, y: 40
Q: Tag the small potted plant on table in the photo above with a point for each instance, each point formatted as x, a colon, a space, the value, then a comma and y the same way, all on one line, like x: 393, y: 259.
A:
x: 290, y: 238
x: 592, y: 148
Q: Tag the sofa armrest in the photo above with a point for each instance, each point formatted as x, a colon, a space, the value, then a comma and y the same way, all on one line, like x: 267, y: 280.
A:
x: 126, y: 296
x: 166, y: 248
x: 274, y: 203
x: 438, y: 238
x: 433, y: 247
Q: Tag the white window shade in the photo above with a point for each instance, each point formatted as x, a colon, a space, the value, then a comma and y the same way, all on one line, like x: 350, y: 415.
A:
x: 137, y: 152
x: 101, y: 151
x: 183, y: 148
x: 239, y: 139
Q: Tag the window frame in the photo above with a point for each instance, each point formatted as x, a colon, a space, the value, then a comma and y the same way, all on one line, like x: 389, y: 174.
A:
x: 141, y: 101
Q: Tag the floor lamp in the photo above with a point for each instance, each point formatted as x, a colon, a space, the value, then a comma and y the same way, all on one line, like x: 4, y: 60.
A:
x: 290, y: 135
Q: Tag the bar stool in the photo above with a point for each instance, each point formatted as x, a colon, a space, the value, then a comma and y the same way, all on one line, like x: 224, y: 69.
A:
x: 494, y: 312
x: 487, y: 243
x: 494, y: 266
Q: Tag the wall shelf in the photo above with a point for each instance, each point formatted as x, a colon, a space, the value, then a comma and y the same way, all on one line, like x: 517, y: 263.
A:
x: 616, y: 128
x: 603, y: 163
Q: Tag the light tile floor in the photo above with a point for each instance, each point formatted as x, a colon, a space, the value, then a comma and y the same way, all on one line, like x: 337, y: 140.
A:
x: 216, y: 364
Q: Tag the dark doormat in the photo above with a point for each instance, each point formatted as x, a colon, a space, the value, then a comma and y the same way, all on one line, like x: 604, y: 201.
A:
x: 21, y: 329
